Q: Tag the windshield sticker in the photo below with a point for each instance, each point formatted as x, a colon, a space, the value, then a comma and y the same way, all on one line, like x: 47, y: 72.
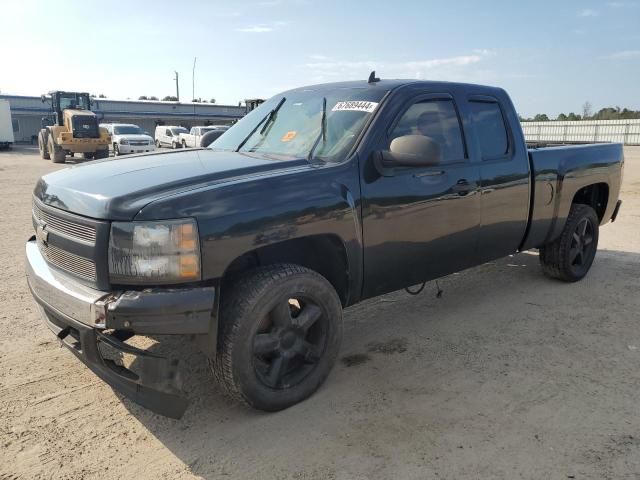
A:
x: 355, y: 106
x: 287, y: 137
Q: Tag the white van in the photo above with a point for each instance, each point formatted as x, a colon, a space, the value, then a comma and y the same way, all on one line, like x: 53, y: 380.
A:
x: 6, y: 127
x: 169, y: 136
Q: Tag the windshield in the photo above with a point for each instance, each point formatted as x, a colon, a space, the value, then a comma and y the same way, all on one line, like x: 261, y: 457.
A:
x: 74, y: 101
x: 297, y: 125
x: 127, y: 130
x: 179, y: 130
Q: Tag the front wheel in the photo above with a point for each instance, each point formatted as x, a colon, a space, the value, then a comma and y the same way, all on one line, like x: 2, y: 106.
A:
x: 116, y: 150
x: 571, y: 255
x: 175, y: 145
x: 281, y: 329
x: 42, y: 146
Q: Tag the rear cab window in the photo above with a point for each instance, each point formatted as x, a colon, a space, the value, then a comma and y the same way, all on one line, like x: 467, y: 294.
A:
x: 491, y: 130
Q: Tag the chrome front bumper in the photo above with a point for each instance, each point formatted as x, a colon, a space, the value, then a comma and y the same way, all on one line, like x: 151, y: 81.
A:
x: 64, y: 294
x: 78, y: 316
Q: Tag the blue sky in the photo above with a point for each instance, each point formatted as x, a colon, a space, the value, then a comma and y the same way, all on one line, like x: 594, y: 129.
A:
x: 551, y: 56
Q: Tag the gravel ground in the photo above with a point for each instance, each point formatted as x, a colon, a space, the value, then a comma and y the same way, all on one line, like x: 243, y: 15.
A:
x: 506, y: 375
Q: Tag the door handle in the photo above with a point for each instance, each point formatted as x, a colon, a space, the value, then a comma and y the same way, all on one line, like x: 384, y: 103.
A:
x: 463, y: 187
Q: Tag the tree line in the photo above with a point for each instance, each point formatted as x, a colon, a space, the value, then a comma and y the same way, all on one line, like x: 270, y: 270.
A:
x: 607, y: 113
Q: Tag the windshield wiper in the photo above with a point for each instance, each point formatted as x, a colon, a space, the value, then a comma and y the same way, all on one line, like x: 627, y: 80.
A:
x: 269, y: 117
x: 323, y: 129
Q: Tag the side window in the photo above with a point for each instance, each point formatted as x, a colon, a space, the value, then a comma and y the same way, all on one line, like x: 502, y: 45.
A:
x: 168, y: 133
x: 489, y: 125
x: 438, y: 120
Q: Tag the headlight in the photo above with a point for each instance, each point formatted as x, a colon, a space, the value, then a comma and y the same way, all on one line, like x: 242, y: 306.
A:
x: 124, y: 141
x: 167, y: 251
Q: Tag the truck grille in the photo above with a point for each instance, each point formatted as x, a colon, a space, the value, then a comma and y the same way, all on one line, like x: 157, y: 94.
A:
x: 83, y: 267
x: 138, y: 143
x: 65, y: 227
x: 73, y: 243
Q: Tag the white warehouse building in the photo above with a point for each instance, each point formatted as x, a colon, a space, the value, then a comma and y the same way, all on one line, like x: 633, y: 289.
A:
x: 27, y: 113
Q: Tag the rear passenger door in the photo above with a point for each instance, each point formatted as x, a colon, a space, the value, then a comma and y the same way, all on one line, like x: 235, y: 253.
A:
x: 504, y: 176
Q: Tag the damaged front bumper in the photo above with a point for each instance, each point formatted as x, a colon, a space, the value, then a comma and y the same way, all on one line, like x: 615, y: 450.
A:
x: 93, y: 323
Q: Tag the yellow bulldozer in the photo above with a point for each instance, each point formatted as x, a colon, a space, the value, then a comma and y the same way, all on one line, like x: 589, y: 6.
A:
x: 71, y: 128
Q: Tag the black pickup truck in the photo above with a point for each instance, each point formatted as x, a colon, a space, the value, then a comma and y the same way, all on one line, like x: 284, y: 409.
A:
x: 320, y: 198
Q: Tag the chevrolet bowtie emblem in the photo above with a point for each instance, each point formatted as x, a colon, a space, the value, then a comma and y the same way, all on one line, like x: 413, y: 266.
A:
x: 42, y: 233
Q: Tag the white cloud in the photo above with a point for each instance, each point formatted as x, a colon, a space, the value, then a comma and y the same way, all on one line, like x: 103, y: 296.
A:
x: 588, y: 12
x: 625, y: 54
x: 255, y: 29
x: 325, y: 69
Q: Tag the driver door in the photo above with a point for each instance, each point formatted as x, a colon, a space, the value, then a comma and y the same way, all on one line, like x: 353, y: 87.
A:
x: 420, y: 223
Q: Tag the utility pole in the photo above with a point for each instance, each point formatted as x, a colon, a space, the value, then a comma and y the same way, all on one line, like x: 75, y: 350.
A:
x: 193, y: 80
x: 177, y: 87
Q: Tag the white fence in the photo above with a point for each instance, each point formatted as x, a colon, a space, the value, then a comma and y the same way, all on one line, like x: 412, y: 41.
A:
x: 591, y: 131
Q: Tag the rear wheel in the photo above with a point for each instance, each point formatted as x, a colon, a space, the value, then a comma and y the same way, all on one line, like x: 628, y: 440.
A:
x: 42, y: 146
x: 281, y: 328
x: 184, y: 144
x: 104, y: 153
x: 571, y: 255
x: 116, y: 150
x: 88, y: 155
x: 175, y: 145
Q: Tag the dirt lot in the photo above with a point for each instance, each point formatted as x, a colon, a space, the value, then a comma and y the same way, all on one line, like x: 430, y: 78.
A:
x: 507, y: 375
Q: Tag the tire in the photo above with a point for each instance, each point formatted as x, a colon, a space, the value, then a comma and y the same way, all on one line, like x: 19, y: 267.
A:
x: 157, y: 144
x: 570, y: 256
x: 57, y: 154
x: 88, y: 155
x: 42, y: 146
x: 175, y: 145
x: 116, y: 150
x: 184, y: 144
x: 99, y: 154
x: 267, y: 356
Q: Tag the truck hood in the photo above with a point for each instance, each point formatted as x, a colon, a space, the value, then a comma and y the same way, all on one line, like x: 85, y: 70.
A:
x: 118, y: 188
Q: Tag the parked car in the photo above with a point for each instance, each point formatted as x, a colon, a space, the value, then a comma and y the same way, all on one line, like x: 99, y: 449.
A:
x: 194, y: 137
x: 169, y: 136
x: 128, y: 138
x: 6, y: 127
x: 209, y: 137
x: 316, y: 200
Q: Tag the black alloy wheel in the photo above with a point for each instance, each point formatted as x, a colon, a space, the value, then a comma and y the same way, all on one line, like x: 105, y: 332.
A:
x: 289, y: 342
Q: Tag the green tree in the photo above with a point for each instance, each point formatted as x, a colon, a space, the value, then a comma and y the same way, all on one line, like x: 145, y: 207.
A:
x: 213, y: 100
x: 143, y: 97
x: 170, y: 98
x: 153, y: 97
x: 541, y: 117
x: 562, y: 117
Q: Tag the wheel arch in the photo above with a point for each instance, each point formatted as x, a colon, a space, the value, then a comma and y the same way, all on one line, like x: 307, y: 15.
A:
x: 325, y: 254
x: 596, y: 195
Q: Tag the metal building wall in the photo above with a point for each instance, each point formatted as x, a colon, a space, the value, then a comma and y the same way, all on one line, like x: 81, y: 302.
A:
x: 27, y: 112
x: 583, y: 131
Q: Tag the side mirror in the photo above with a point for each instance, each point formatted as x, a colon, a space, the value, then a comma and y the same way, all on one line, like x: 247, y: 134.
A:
x: 412, y: 151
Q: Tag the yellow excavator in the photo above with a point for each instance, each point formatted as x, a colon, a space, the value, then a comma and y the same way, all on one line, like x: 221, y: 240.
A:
x: 71, y: 128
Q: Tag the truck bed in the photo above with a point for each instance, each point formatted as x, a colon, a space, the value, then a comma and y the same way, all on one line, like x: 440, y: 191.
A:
x: 558, y: 174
